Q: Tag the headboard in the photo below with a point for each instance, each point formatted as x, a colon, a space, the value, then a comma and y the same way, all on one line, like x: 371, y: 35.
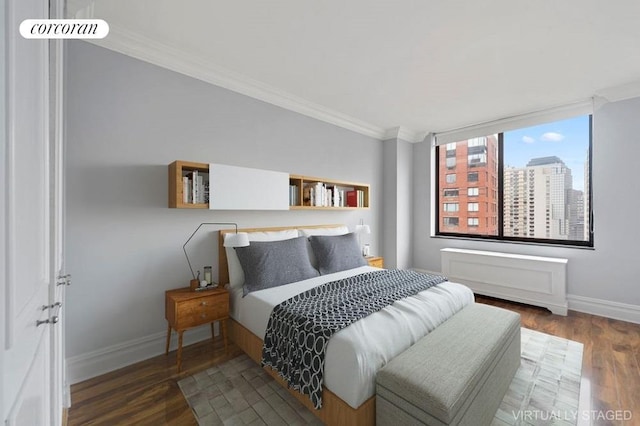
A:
x: 223, y: 267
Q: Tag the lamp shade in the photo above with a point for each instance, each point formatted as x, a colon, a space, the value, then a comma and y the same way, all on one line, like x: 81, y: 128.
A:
x: 363, y: 229
x: 239, y: 239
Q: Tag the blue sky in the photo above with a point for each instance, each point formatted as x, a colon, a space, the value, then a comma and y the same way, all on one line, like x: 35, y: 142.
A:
x: 566, y: 139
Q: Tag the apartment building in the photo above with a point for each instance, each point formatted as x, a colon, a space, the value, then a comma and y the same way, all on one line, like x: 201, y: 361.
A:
x: 468, y: 184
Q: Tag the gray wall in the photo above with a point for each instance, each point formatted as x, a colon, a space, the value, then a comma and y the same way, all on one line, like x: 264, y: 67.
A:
x: 610, y: 272
x: 398, y: 204
x: 126, y: 121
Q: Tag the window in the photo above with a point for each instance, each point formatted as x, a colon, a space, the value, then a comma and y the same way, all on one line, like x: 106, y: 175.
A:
x: 450, y: 207
x: 473, y: 142
x: 451, y: 221
x: 451, y: 162
x: 476, y: 160
x: 527, y: 184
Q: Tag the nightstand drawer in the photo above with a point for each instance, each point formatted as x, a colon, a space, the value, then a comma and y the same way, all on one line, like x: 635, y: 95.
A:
x: 202, y: 310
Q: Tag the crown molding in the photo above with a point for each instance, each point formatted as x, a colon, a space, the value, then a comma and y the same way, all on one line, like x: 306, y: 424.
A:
x: 404, y: 134
x: 621, y: 92
x: 163, y: 55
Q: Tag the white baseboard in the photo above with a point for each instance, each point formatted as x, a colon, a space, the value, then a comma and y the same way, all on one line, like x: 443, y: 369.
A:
x: 605, y: 308
x: 426, y: 271
x: 91, y: 364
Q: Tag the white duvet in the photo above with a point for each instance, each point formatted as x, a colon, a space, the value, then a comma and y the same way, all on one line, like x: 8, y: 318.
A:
x: 357, y: 352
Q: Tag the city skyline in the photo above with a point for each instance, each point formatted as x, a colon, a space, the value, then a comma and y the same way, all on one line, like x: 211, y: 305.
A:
x: 566, y: 139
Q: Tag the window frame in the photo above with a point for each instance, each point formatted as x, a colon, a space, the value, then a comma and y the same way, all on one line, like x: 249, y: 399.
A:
x: 590, y: 243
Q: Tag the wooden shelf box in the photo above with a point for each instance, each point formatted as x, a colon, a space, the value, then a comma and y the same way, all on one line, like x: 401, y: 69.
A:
x: 303, y: 185
x: 177, y: 171
x: 241, y: 188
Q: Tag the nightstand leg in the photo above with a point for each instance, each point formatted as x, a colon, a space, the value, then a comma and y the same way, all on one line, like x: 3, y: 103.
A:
x: 180, y: 350
x: 223, y: 330
x: 166, y: 351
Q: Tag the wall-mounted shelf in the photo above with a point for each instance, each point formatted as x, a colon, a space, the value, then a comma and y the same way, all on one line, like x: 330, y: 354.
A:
x: 178, y: 170
x: 311, y: 193
x: 241, y: 188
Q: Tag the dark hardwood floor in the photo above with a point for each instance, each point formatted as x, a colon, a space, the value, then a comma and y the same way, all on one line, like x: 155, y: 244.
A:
x: 147, y: 392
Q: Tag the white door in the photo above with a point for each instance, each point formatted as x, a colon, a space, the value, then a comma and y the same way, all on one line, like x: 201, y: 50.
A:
x: 60, y: 396
x: 29, y: 232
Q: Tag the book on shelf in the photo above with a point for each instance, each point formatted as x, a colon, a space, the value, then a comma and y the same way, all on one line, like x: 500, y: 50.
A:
x: 195, y: 188
x: 306, y: 195
x: 186, y: 190
x: 316, y: 195
x: 334, y: 196
x: 320, y: 194
x: 352, y: 199
x: 355, y: 198
x: 194, y: 185
x: 293, y: 195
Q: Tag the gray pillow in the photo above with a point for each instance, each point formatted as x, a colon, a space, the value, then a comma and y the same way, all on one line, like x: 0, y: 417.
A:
x: 268, y: 264
x: 336, y: 253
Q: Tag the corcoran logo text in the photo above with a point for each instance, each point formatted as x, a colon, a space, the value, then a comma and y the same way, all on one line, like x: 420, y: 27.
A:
x: 64, y: 28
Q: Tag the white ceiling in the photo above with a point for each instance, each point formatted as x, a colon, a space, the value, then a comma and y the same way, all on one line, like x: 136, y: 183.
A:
x: 374, y: 65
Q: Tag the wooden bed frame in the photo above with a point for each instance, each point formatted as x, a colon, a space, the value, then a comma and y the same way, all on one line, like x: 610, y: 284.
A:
x: 334, y: 410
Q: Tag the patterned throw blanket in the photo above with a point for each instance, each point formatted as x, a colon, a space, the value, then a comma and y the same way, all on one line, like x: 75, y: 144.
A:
x: 299, y: 328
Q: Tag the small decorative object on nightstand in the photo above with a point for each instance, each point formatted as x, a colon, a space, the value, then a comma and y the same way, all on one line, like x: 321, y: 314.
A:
x: 376, y: 261
x: 239, y: 239
x: 185, y: 309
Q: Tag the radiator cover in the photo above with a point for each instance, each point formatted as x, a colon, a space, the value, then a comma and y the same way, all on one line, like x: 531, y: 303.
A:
x: 534, y: 280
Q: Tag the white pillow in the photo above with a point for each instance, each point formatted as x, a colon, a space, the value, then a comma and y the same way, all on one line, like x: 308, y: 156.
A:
x: 236, y: 274
x: 308, y: 232
x: 338, y: 230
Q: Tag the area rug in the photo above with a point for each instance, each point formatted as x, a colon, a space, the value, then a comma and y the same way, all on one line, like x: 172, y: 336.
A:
x: 545, y: 390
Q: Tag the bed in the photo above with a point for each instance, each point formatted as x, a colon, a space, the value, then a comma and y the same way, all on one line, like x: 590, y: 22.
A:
x: 355, y: 353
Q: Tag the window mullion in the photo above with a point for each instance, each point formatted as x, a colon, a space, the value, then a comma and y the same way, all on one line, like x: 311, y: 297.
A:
x: 500, y: 185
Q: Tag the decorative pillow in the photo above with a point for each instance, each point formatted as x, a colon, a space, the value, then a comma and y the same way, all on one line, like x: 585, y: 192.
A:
x: 274, y: 263
x: 308, y: 232
x: 236, y: 275
x: 337, y: 252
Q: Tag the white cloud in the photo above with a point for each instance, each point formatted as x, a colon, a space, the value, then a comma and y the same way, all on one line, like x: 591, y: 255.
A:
x: 552, y: 137
x: 528, y: 139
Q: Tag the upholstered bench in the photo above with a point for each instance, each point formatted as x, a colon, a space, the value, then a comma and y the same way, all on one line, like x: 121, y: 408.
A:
x: 455, y: 375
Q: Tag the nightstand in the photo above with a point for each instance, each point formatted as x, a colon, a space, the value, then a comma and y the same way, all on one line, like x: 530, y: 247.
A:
x: 185, y: 309
x: 376, y: 261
